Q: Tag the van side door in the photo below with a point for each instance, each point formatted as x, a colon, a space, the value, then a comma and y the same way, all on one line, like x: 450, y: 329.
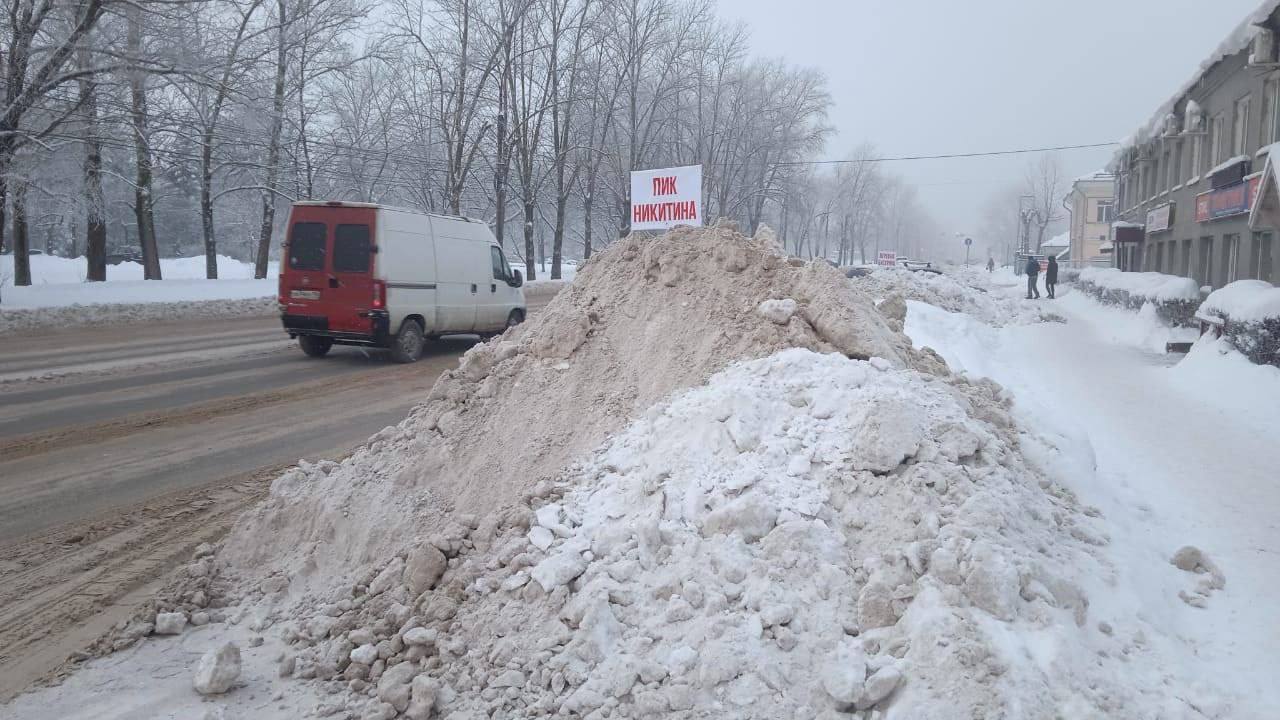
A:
x: 457, y: 284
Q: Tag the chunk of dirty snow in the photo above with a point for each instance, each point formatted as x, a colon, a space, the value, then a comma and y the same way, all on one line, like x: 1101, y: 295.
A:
x: 170, y: 623
x: 778, y: 311
x: 844, y: 673
x: 559, y: 569
x: 879, y: 686
x: 218, y: 670
x: 541, y: 537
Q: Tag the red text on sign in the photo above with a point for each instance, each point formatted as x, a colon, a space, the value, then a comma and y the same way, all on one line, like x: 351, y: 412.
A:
x: 664, y: 186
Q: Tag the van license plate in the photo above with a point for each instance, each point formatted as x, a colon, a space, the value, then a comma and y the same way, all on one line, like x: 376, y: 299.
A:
x: 305, y: 294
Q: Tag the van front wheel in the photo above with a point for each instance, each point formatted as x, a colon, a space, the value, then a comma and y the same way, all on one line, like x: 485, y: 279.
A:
x: 407, y: 346
x: 315, y: 346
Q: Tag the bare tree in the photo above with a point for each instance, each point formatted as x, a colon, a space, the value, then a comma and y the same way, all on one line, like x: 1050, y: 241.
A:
x: 1044, y: 183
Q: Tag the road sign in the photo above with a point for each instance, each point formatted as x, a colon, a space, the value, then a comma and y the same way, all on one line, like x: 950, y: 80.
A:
x: 887, y: 258
x: 968, y: 241
x: 664, y: 198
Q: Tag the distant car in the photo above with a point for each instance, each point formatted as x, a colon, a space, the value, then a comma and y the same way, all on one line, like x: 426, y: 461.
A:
x: 927, y: 269
x: 912, y: 264
x: 857, y: 271
x: 34, y: 251
x: 124, y: 256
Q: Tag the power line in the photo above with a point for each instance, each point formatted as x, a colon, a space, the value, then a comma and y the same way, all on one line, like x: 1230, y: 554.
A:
x: 950, y: 156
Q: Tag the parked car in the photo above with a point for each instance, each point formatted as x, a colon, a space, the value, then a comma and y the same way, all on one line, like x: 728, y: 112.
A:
x: 365, y: 274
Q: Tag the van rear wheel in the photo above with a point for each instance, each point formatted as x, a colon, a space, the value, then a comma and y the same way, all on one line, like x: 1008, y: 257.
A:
x: 515, y: 318
x: 407, y: 345
x: 315, y: 346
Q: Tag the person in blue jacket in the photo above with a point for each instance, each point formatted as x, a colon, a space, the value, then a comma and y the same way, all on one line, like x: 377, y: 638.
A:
x: 1033, y: 275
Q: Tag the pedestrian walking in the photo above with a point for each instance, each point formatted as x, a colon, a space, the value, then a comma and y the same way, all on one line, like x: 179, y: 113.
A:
x: 991, y: 264
x: 1033, y: 275
x: 1051, y: 275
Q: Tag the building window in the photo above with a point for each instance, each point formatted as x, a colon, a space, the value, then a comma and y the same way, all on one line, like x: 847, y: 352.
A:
x: 1193, y: 167
x: 1260, y: 257
x: 1270, y: 110
x: 1159, y: 263
x: 1166, y: 177
x: 1240, y: 131
x: 1173, y: 163
x: 1230, y: 258
x: 1104, y: 211
x: 1204, y: 268
x: 1216, y: 147
x: 1184, y: 265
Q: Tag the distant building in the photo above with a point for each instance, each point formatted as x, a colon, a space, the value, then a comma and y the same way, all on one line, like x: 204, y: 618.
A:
x: 1187, y: 181
x: 1091, y: 204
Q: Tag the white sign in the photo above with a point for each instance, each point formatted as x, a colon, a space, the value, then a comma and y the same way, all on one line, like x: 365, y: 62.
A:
x: 663, y: 199
x: 888, y: 258
x: 1158, y: 218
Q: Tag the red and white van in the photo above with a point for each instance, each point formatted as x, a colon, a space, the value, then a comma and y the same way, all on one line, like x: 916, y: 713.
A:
x: 365, y: 274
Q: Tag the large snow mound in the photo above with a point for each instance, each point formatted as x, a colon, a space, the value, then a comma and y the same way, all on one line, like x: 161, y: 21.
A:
x: 641, y: 320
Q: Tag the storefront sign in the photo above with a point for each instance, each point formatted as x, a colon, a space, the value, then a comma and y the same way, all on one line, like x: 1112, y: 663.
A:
x: 1227, y: 201
x: 1158, y: 218
x: 887, y: 258
x: 663, y: 199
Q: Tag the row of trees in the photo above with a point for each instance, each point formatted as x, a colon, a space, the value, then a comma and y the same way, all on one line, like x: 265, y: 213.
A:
x: 182, y: 126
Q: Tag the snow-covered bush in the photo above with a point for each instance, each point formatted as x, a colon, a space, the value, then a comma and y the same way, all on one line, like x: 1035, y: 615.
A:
x: 1175, y: 298
x: 1250, y: 311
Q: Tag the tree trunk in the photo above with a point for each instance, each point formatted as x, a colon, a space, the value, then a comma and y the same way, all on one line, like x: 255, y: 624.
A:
x: 144, y: 197
x: 206, y: 206
x: 273, y: 152
x: 21, y: 241
x: 529, y: 260
x: 95, y: 246
x: 587, y: 203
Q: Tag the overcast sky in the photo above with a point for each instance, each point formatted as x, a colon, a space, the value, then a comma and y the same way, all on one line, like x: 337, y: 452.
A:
x: 950, y: 76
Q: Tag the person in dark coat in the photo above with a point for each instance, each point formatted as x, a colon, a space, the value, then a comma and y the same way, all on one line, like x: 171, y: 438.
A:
x: 1033, y: 275
x: 1051, y: 275
x: 991, y: 264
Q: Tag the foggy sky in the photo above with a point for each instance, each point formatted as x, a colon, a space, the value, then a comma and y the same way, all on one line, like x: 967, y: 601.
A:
x: 945, y: 76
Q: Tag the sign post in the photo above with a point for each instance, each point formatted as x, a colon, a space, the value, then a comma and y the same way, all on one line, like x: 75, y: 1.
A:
x: 665, y: 198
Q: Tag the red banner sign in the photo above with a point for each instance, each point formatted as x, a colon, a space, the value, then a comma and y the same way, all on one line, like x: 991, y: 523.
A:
x: 1228, y: 201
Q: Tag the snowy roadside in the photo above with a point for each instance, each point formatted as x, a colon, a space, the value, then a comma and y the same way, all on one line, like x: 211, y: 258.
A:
x: 1172, y: 457
x: 60, y: 298
x: 747, y: 523
x: 32, y: 319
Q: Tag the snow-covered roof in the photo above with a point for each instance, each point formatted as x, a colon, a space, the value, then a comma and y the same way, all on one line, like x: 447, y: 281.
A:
x: 1062, y: 240
x: 1238, y: 40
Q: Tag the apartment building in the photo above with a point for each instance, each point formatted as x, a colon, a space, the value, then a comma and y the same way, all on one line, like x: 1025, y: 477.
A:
x: 1186, y: 181
x: 1091, y: 207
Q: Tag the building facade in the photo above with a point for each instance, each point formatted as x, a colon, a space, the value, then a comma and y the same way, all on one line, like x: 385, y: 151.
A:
x: 1186, y: 183
x: 1091, y: 207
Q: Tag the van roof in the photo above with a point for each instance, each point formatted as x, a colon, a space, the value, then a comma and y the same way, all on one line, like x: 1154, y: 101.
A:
x: 377, y: 206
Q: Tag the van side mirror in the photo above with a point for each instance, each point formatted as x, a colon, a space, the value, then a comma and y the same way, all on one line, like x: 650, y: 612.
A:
x: 517, y: 280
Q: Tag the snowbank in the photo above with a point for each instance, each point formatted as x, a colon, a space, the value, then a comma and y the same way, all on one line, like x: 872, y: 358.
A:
x: 32, y: 319
x: 1175, y: 298
x: 53, y: 270
x: 1250, y: 310
x: 1244, y: 301
x: 955, y: 291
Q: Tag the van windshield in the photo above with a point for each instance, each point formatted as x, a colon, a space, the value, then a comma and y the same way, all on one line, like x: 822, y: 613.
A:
x: 306, y: 246
x: 351, y: 248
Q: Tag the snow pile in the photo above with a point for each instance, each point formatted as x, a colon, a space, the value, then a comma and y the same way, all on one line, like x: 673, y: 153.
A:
x: 1244, y: 301
x: 27, y: 320
x: 954, y: 291
x: 1174, y: 297
x: 1250, y: 310
x: 641, y: 320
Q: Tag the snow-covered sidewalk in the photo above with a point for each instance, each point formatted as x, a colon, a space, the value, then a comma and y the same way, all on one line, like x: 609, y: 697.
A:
x: 1172, y: 456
